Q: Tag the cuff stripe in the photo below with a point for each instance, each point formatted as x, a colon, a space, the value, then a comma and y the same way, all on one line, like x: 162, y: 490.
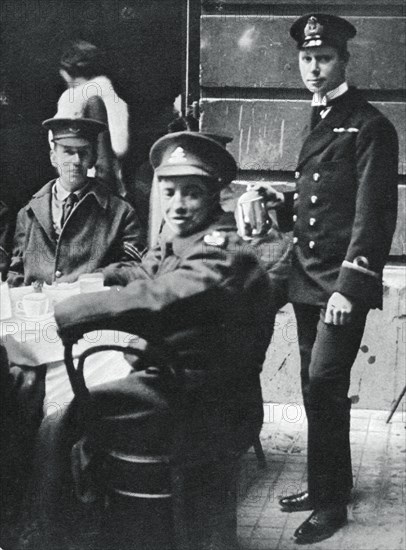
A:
x: 363, y: 270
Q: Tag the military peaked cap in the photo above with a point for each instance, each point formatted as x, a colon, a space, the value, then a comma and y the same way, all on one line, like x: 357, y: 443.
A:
x: 74, y: 131
x: 193, y: 153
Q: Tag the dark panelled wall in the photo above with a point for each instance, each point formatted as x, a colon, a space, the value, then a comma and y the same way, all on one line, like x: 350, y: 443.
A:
x: 251, y: 86
x: 144, y: 39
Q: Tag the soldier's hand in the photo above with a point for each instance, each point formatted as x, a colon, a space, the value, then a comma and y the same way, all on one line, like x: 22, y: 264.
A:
x: 339, y: 309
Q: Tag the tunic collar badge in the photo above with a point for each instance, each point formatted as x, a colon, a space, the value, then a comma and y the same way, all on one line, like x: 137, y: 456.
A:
x: 177, y: 156
x: 216, y: 238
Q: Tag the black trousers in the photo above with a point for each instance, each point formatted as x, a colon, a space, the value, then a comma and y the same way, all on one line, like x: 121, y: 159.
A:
x: 327, y: 353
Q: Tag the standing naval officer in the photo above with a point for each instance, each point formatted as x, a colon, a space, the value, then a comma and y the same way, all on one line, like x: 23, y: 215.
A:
x: 343, y: 216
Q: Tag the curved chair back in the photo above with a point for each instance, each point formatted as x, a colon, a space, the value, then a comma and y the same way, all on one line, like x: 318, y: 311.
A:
x: 165, y: 473
x: 170, y: 476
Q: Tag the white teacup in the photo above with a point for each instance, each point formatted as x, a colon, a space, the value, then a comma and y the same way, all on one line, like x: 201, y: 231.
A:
x: 91, y: 282
x: 33, y: 305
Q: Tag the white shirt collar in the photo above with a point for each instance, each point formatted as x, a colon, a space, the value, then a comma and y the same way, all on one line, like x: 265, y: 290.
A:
x: 320, y: 100
x: 61, y: 193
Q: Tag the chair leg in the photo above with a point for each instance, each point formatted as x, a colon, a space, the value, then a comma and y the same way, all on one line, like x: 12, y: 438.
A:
x: 181, y: 538
x: 212, y: 506
x: 259, y: 453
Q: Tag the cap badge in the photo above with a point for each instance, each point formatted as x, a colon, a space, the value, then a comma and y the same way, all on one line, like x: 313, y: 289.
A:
x: 177, y: 156
x: 313, y: 27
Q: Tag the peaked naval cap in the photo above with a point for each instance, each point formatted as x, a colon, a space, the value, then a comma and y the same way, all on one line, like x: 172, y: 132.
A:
x: 320, y: 29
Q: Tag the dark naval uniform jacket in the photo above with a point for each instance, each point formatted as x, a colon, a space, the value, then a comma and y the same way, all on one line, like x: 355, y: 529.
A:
x: 343, y: 212
x: 101, y: 230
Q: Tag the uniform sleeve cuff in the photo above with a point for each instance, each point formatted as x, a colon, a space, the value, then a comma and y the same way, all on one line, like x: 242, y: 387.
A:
x: 362, y: 285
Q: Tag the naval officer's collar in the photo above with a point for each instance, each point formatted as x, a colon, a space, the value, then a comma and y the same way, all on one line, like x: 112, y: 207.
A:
x: 320, y: 100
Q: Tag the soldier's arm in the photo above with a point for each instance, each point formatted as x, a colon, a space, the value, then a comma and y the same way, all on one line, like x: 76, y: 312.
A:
x: 16, y: 271
x: 132, y: 237
x: 197, y: 287
x: 130, y: 251
x: 124, y: 272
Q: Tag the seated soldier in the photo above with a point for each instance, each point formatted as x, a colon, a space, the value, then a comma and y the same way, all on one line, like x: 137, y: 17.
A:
x: 204, y: 294
x: 74, y: 224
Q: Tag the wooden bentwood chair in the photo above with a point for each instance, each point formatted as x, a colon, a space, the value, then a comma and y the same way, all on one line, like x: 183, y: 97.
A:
x: 164, y: 501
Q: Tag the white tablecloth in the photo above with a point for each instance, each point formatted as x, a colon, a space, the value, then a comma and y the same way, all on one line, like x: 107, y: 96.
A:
x: 36, y: 342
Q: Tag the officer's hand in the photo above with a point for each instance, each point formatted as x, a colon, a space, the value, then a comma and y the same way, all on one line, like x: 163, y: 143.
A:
x: 273, y: 198
x: 339, y: 309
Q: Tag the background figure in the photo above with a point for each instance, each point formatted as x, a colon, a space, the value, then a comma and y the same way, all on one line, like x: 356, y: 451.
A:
x: 6, y: 237
x: 91, y: 94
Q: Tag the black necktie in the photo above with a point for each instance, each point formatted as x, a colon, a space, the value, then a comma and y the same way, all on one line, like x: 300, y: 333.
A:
x: 315, y: 116
x: 168, y: 249
x: 67, y: 208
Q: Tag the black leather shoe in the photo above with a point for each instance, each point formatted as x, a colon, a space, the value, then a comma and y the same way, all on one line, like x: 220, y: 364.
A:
x: 296, y: 503
x: 321, y: 524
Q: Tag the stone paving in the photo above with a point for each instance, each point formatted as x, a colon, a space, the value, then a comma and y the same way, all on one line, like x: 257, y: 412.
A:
x: 376, y: 519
